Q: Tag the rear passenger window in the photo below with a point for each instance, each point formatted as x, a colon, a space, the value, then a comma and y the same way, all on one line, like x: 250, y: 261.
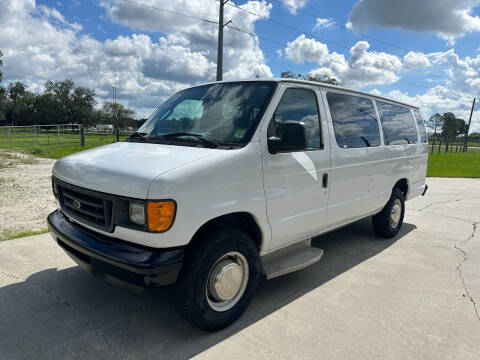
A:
x: 354, y: 121
x: 298, y: 105
x: 421, y: 126
x: 398, y: 124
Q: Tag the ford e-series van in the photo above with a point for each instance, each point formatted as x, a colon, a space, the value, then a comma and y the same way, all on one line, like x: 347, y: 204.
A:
x: 230, y: 180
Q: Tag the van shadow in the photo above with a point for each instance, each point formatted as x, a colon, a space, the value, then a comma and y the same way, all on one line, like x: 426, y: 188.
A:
x: 69, y: 313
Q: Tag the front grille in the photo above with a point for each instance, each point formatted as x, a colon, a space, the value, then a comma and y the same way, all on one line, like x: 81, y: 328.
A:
x: 90, y: 207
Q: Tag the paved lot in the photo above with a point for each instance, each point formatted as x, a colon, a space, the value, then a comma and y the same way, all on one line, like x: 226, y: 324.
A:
x: 409, y: 298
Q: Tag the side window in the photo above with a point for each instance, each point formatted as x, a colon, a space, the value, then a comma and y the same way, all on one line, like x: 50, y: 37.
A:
x: 354, y: 121
x: 398, y: 124
x: 421, y: 126
x: 298, y: 105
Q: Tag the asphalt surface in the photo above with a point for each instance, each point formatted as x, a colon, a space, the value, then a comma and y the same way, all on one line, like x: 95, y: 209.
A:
x: 413, y: 297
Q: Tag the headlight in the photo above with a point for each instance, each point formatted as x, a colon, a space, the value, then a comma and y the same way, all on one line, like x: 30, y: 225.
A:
x: 160, y: 215
x: 136, y: 213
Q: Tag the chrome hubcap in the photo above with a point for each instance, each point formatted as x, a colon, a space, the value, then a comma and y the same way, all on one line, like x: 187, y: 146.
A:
x: 395, y: 213
x: 227, y: 281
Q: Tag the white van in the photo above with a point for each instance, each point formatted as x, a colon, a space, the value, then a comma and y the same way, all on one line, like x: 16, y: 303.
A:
x: 229, y: 180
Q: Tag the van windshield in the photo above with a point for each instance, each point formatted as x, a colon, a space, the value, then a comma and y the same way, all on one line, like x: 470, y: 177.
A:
x: 210, y: 115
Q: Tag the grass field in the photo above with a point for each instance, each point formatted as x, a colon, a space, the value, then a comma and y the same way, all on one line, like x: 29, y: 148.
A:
x: 57, y: 152
x: 51, y: 144
x: 454, y: 165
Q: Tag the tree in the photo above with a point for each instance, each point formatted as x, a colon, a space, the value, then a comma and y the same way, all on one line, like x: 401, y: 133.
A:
x: 452, y: 126
x: 83, y: 101
x: 290, y: 75
x: 61, y: 102
x: 4, y: 102
x: 325, y: 79
x: 1, y: 64
x: 62, y: 108
x: 434, y: 123
x: 117, y: 115
x: 16, y: 91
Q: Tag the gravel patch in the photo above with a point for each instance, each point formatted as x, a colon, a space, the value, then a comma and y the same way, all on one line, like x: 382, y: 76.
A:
x: 25, y: 193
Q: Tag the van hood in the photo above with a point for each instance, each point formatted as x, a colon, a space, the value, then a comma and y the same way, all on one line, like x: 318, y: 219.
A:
x: 126, y: 168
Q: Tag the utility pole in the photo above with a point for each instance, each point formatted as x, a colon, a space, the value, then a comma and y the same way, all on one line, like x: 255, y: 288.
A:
x: 220, y: 40
x: 468, y: 127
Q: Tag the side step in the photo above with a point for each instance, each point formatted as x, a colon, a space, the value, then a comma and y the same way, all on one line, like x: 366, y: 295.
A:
x: 290, y: 259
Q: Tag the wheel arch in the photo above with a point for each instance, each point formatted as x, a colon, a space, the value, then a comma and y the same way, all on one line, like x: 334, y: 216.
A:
x: 242, y: 220
x: 403, y: 185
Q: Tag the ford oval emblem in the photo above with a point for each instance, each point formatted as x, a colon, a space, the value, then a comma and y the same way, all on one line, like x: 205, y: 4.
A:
x: 76, y: 204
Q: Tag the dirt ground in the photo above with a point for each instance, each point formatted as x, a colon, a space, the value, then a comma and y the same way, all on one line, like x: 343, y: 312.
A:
x: 25, y: 194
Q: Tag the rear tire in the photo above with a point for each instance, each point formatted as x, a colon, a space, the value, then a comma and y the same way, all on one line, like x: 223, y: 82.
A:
x: 387, y: 223
x: 201, y: 296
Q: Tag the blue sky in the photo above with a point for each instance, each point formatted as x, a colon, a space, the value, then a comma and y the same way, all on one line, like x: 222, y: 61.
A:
x: 434, y: 62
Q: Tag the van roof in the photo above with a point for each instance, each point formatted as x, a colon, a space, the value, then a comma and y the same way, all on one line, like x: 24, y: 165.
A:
x: 318, y: 84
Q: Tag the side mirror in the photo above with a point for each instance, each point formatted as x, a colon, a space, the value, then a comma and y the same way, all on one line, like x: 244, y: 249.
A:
x: 293, y: 138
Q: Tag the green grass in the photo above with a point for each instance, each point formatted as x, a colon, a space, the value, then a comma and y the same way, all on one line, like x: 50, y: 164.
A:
x: 46, y: 143
x: 13, y: 233
x: 454, y: 165
x: 57, y: 152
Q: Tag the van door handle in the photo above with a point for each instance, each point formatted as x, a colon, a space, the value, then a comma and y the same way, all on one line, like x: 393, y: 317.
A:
x: 325, y: 180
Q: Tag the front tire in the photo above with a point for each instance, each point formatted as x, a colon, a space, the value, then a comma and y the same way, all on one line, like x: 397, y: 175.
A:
x: 218, y: 279
x: 387, y: 223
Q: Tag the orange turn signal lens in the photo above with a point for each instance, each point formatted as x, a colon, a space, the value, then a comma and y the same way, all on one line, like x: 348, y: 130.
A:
x: 160, y: 215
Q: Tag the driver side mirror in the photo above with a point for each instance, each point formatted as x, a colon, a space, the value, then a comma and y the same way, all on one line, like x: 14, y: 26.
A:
x: 293, y: 138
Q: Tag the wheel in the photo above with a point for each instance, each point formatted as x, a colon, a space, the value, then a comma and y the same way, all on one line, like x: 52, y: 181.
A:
x: 388, y: 222
x: 218, y: 279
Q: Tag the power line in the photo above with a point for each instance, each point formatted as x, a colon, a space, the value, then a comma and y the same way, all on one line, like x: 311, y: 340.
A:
x: 170, y: 11
x: 314, y: 54
x: 370, y: 37
x: 267, y: 39
x: 316, y: 36
x: 352, y: 30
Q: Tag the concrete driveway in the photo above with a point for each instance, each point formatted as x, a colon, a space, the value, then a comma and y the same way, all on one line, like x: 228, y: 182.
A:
x: 412, y: 297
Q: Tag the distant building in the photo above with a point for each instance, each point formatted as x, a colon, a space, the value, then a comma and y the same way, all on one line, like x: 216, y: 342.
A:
x: 104, y: 127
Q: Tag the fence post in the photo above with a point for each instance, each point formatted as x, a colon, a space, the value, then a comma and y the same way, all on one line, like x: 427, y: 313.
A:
x: 58, y: 133
x: 10, y: 137
x: 82, y: 136
x: 35, y: 129
x: 117, y: 133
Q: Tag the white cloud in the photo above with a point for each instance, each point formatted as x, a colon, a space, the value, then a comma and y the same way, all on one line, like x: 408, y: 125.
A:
x: 294, y: 5
x: 324, y: 24
x: 366, y: 67
x: 305, y: 49
x: 40, y: 44
x: 439, y: 99
x: 242, y: 55
x: 449, y: 19
x: 363, y: 68
x: 414, y: 60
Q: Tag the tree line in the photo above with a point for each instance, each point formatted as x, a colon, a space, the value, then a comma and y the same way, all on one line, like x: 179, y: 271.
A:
x: 449, y: 128
x: 60, y: 102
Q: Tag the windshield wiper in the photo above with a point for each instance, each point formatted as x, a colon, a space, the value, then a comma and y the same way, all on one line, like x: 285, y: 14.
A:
x: 365, y: 141
x: 197, y: 136
x: 138, y: 135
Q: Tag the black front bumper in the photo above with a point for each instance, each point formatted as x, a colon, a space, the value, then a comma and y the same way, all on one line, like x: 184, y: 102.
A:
x: 109, y: 258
